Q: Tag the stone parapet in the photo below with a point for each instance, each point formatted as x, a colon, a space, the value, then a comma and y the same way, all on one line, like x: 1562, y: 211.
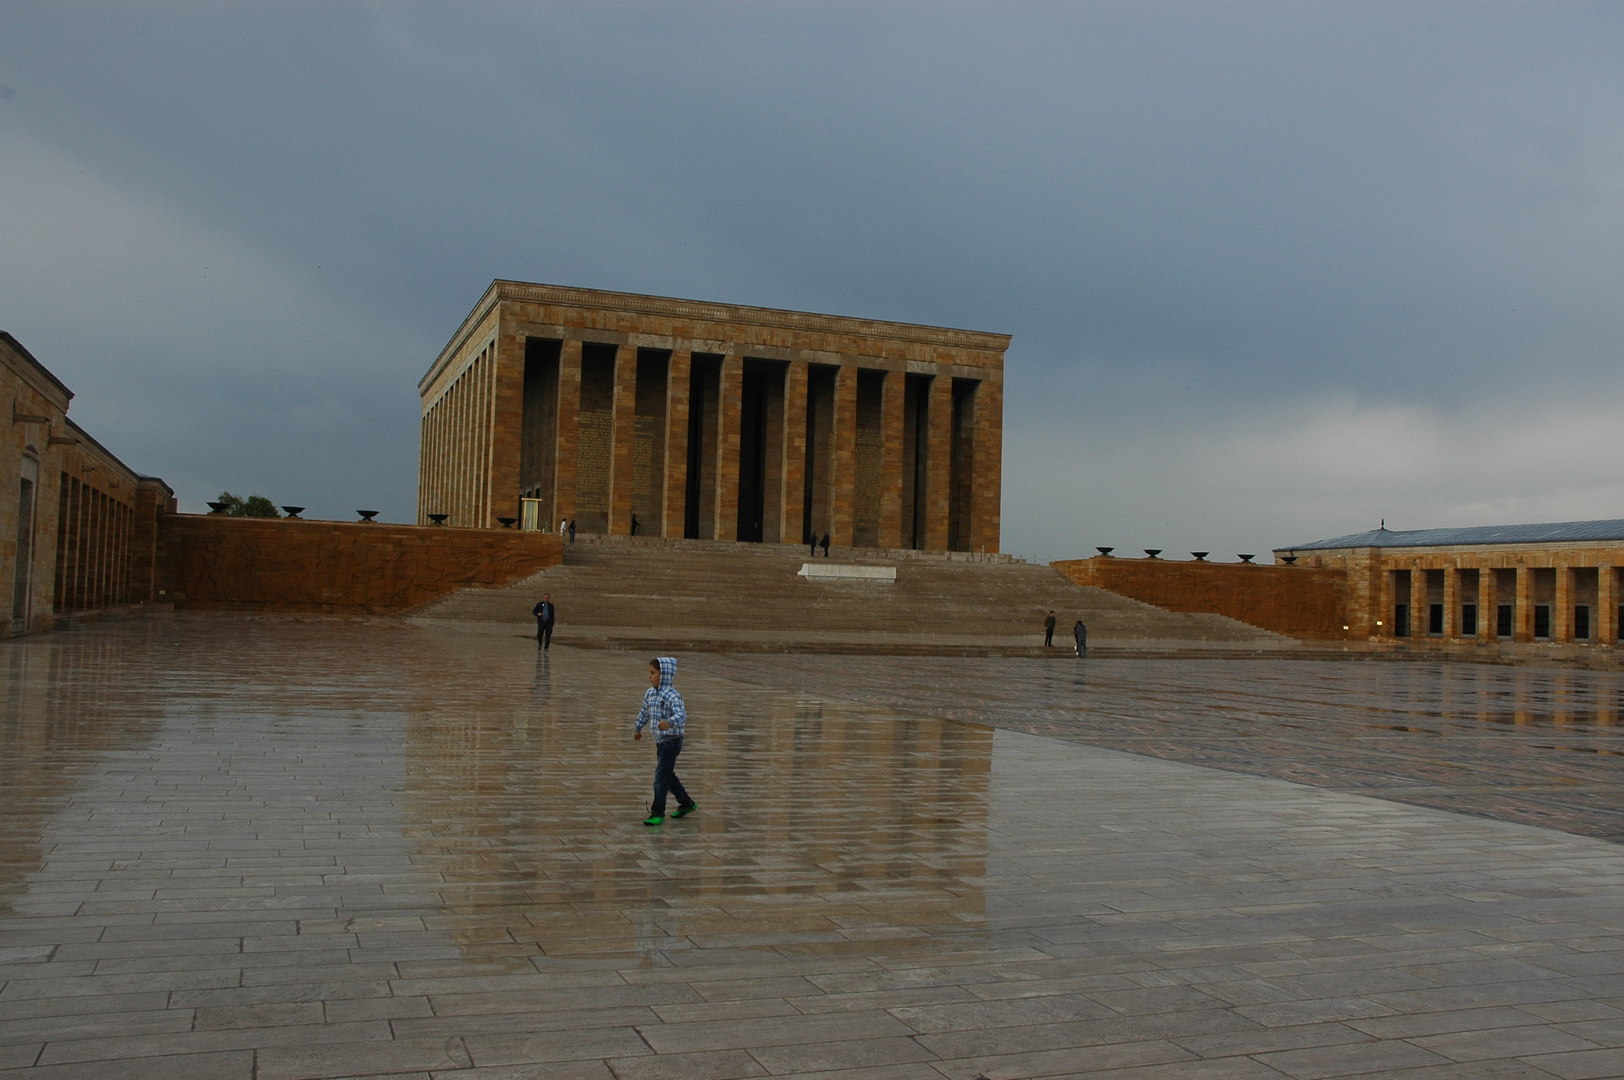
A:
x: 213, y: 562
x: 1300, y: 601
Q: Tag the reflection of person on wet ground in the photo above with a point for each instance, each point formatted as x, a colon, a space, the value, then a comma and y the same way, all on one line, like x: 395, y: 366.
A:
x: 664, y: 711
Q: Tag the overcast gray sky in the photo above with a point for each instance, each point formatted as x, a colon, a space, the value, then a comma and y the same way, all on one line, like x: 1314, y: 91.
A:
x: 1274, y: 271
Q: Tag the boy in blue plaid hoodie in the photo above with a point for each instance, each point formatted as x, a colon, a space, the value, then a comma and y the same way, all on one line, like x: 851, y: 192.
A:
x: 664, y: 711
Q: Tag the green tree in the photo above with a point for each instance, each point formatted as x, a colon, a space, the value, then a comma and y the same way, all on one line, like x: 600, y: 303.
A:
x: 257, y: 506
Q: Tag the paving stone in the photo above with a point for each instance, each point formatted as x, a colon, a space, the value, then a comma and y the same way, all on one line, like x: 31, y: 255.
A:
x: 431, y: 839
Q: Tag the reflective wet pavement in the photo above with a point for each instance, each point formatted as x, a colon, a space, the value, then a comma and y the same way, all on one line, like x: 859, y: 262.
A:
x: 279, y: 848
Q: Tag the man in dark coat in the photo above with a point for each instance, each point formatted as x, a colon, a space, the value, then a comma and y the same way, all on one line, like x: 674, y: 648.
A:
x: 1080, y: 634
x: 1048, y: 630
x: 546, y: 614
x: 825, y: 544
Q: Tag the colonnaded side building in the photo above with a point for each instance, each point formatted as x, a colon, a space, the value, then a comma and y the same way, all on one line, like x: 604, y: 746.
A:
x: 1556, y: 582
x: 712, y: 421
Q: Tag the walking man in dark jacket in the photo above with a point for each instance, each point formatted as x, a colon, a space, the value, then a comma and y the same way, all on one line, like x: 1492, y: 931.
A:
x: 1080, y: 633
x: 1048, y: 630
x: 546, y: 614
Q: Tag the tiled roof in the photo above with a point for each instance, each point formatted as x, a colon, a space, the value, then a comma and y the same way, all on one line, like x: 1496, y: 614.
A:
x: 1475, y: 536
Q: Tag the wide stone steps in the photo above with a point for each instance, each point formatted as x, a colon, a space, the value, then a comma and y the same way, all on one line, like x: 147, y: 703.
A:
x: 631, y: 592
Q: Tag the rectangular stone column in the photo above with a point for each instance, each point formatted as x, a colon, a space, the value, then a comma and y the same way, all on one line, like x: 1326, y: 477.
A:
x: 1488, y: 604
x: 1605, y: 620
x: 1451, y: 625
x: 1523, y: 615
x: 569, y: 413
x: 729, y: 419
x: 1562, y: 605
x: 986, y: 513
x: 625, y: 429
x: 891, y: 425
x: 793, y: 501
x: 939, y: 476
x: 676, y: 441
x: 845, y: 456
x: 1418, y: 603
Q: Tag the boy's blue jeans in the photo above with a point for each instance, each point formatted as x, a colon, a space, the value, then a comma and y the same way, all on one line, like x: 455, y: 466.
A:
x: 665, y: 775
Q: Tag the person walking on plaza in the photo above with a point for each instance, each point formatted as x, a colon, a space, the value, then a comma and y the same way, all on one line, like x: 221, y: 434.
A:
x: 634, y: 524
x: 825, y: 543
x: 1048, y: 631
x: 1080, y: 634
x: 814, y: 546
x: 664, y: 713
x: 572, y: 530
x: 563, y: 526
x: 546, y: 614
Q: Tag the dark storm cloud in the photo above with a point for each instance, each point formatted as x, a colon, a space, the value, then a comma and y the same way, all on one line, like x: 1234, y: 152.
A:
x: 1220, y: 233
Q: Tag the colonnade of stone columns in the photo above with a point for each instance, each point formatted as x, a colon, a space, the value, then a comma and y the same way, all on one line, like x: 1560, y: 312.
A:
x: 1555, y: 602
x: 453, y: 473
x: 857, y: 482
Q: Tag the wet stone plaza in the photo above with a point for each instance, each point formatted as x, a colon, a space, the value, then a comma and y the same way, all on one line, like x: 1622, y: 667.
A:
x: 275, y: 849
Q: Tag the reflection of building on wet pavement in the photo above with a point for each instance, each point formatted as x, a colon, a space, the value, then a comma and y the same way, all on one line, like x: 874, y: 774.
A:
x: 816, y: 819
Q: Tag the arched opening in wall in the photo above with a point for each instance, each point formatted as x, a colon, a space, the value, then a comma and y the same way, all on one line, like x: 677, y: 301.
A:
x: 961, y: 467
x: 704, y: 397
x: 870, y: 463
x: 820, y: 446
x: 595, y: 438
x: 23, y: 580
x: 761, y: 450
x: 915, y: 459
x: 648, y: 441
x: 538, y: 440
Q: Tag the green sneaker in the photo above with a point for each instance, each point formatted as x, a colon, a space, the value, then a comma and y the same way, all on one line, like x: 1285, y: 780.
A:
x: 684, y: 811
x: 654, y: 819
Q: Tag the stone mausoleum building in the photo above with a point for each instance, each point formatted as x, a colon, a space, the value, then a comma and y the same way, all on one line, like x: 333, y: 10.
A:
x: 1556, y: 582
x: 712, y: 421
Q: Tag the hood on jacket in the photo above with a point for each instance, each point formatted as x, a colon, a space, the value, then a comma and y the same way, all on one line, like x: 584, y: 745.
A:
x: 668, y: 670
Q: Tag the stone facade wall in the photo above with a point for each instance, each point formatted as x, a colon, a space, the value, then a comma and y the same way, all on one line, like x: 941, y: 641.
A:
x: 84, y: 541
x: 212, y: 562
x: 1301, y: 601
x: 1524, y: 576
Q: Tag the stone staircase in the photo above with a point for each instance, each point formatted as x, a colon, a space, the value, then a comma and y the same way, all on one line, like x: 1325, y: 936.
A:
x: 642, y: 593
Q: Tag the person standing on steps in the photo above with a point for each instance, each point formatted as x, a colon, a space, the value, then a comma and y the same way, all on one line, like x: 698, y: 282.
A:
x: 814, y: 546
x: 1080, y: 634
x: 546, y: 614
x: 825, y: 543
x: 572, y: 530
x: 563, y: 526
x: 634, y: 524
x: 1048, y: 631
x: 664, y: 712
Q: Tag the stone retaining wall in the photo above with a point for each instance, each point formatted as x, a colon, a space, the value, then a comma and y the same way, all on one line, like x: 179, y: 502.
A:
x: 209, y: 561
x: 1304, y: 602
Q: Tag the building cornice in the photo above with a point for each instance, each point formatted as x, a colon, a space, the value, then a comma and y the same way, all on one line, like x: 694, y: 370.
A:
x: 706, y: 311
